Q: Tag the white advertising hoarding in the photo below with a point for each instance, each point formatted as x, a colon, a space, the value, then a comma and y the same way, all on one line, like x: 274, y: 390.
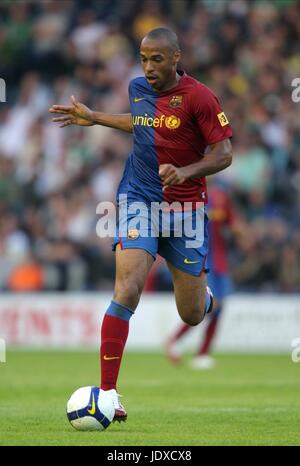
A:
x: 249, y: 322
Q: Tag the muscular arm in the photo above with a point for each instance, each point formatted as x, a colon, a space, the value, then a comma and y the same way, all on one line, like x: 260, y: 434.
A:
x: 79, y: 114
x: 122, y: 121
x: 216, y: 159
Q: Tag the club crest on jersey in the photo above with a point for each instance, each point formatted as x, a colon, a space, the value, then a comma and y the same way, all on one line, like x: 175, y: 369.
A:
x: 176, y: 101
x: 133, y: 234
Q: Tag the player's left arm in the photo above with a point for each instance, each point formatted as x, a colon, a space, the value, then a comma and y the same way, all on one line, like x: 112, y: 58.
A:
x: 219, y: 157
x: 215, y: 129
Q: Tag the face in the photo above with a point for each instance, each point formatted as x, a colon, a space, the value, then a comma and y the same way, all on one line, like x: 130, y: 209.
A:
x: 159, y: 62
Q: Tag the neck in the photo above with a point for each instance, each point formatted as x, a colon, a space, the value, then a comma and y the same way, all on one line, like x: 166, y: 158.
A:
x: 172, y: 83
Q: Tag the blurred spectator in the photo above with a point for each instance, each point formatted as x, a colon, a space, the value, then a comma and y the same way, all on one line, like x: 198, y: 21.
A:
x: 27, y: 276
x: 86, y: 35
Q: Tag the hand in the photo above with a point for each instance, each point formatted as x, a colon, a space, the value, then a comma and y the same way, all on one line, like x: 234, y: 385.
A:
x: 171, y: 175
x: 75, y: 114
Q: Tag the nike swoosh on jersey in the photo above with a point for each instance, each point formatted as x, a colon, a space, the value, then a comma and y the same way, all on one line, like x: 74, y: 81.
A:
x: 137, y: 99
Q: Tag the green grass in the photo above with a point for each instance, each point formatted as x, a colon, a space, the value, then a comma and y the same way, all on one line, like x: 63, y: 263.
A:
x: 245, y: 400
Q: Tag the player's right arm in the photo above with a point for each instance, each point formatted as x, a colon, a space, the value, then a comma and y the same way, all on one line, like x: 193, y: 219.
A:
x: 79, y: 114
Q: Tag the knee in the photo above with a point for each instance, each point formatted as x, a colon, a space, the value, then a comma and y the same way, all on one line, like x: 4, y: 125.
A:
x: 192, y: 316
x: 128, y: 293
x: 192, y: 321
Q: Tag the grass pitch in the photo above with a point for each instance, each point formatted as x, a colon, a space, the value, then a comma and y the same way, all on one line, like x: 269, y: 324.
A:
x: 245, y: 400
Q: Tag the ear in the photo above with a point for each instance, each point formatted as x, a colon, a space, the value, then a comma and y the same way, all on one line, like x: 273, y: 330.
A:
x: 176, y: 56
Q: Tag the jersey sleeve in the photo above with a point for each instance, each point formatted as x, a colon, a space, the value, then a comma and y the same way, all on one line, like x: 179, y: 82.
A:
x: 211, y: 120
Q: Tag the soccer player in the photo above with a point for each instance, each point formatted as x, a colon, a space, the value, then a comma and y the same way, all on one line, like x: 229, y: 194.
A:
x: 175, y: 120
x: 222, y: 220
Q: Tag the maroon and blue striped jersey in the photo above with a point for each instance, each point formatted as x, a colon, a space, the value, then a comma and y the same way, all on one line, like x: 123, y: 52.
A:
x: 174, y: 127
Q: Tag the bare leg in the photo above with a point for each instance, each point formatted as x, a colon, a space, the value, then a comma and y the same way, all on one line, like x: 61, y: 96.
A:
x: 132, y: 268
x: 190, y: 295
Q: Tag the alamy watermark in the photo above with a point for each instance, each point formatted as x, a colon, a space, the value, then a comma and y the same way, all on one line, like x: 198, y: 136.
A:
x: 296, y: 92
x: 2, y: 90
x: 2, y: 350
x: 156, y: 219
x: 296, y: 351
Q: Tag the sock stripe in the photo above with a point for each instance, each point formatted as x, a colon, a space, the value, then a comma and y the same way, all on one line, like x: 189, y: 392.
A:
x: 119, y: 310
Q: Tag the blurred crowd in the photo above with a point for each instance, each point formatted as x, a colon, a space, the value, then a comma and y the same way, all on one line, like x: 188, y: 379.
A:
x: 51, y: 179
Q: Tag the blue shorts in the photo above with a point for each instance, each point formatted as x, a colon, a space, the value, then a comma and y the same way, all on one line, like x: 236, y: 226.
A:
x: 180, y: 237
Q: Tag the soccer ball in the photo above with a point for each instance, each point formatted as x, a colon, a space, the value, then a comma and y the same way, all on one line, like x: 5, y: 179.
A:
x: 90, y: 408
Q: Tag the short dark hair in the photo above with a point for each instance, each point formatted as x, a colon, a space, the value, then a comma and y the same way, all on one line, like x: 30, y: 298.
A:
x: 164, y: 33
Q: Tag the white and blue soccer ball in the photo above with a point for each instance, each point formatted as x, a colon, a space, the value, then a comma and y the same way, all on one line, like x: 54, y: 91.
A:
x: 90, y: 408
